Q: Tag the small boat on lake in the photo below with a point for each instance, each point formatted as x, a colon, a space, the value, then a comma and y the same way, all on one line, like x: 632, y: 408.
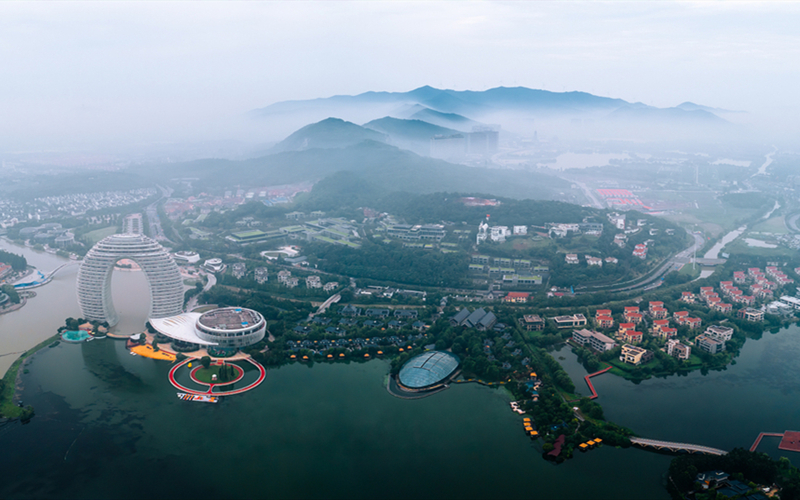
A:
x: 203, y: 398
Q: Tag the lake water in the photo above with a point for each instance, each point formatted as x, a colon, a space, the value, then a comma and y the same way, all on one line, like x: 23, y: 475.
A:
x: 724, y: 409
x: 109, y: 425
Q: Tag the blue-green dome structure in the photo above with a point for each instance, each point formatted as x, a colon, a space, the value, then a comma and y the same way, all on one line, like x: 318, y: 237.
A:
x: 427, y: 369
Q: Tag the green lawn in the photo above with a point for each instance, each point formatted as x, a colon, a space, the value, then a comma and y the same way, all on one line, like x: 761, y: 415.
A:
x: 773, y: 225
x: 739, y: 247
x: 93, y: 237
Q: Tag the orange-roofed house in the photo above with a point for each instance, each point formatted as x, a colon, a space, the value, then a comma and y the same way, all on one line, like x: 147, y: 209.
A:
x: 517, y: 297
x: 634, y: 317
x: 632, y: 337
x: 604, y: 321
x: 658, y: 313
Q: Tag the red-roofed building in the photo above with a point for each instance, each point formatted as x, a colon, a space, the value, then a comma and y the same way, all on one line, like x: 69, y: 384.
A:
x: 640, y: 251
x: 680, y: 315
x: 624, y: 327
x: 659, y: 324
x: 693, y: 323
x: 687, y: 297
x: 517, y: 297
x: 602, y: 312
x: 659, y: 313
x: 722, y: 307
x: 632, y: 337
x: 705, y: 290
x: 604, y: 321
x: 666, y: 333
x: 655, y: 304
x: 634, y: 317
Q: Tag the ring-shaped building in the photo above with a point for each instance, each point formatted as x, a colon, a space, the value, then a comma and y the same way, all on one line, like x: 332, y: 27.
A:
x: 94, y: 277
x: 427, y: 370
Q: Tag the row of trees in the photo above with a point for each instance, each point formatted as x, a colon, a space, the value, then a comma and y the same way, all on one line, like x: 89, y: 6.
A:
x: 17, y: 262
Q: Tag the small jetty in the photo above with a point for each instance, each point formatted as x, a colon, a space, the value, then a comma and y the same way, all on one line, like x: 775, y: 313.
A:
x: 790, y: 440
x: 589, y: 382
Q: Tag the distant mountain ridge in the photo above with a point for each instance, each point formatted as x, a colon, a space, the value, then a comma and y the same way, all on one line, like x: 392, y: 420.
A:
x: 465, y: 102
x: 326, y: 134
x: 518, y: 110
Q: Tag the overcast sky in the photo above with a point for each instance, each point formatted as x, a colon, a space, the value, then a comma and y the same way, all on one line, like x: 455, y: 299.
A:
x: 160, y: 71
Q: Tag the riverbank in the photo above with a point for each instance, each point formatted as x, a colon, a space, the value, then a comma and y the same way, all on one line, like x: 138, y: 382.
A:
x: 11, y: 385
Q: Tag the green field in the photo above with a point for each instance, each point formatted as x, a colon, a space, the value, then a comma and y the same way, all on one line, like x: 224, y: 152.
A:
x: 93, y: 237
x: 775, y: 225
x: 739, y: 247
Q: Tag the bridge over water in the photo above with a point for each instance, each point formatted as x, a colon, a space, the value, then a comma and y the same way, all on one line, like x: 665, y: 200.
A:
x: 43, y: 279
x: 676, y: 447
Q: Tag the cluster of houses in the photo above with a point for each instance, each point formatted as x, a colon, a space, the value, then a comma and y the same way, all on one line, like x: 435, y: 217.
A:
x: 286, y: 279
x: 712, y: 340
x: 376, y: 318
x: 479, y: 318
x: 321, y: 346
x: 572, y: 258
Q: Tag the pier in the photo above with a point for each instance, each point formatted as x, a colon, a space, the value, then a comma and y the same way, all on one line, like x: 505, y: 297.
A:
x: 758, y: 439
x: 676, y: 447
x: 589, y: 382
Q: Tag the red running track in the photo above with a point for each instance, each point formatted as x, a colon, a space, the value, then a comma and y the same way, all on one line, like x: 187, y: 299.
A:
x: 261, y: 376
x: 758, y: 439
x: 589, y: 382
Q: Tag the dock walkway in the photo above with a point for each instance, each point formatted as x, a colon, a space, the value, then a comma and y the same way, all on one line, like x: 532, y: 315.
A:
x: 758, y: 439
x: 589, y: 382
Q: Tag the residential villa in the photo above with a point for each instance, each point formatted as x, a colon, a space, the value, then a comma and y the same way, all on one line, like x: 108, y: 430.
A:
x: 709, y: 344
x: 750, y: 314
x: 635, y: 355
x: 678, y: 350
x: 572, y: 321
x: 532, y: 322
x: 595, y: 340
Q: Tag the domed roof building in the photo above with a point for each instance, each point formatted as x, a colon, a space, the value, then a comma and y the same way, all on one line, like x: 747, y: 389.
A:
x: 427, y: 371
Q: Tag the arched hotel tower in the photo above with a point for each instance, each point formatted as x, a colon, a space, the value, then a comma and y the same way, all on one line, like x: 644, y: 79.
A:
x: 94, y: 277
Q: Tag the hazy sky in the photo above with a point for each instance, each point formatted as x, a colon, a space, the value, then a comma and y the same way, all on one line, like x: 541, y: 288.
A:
x: 161, y: 71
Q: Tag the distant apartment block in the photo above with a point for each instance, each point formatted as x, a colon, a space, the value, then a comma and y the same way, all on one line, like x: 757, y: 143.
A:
x: 261, y: 275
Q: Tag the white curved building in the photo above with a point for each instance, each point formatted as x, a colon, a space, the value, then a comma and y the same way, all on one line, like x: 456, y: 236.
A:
x: 225, y: 328
x: 163, y: 277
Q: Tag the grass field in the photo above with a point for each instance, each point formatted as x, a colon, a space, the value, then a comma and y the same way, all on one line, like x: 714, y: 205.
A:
x: 93, y: 237
x: 773, y: 225
x: 739, y: 247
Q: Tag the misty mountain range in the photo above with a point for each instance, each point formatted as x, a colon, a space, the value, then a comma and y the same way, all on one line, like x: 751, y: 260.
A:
x: 519, y: 109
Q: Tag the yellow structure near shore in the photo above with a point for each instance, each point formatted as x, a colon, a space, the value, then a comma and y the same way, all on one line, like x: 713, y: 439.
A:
x: 147, y: 351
